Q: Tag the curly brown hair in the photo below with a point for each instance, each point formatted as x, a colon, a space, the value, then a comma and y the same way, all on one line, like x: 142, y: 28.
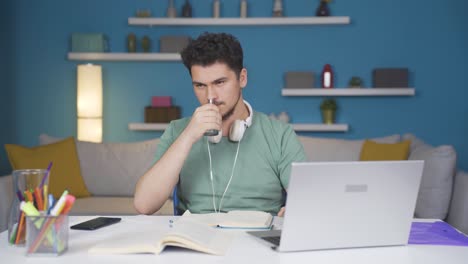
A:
x: 210, y: 48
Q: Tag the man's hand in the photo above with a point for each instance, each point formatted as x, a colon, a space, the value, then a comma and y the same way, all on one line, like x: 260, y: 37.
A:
x: 281, y: 211
x: 204, y: 118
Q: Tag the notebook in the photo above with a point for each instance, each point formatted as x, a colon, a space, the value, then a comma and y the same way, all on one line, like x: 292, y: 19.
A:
x: 334, y: 205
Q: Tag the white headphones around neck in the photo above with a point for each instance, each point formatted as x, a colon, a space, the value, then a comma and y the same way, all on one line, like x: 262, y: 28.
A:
x: 237, y: 129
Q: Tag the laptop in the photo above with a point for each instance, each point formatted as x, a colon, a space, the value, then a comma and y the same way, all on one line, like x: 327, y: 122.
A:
x: 333, y: 205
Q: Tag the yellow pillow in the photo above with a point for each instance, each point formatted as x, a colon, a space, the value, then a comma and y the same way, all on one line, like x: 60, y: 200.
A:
x: 383, y: 151
x: 65, y: 172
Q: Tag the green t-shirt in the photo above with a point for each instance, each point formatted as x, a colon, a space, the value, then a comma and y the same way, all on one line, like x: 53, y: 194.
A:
x: 261, y: 173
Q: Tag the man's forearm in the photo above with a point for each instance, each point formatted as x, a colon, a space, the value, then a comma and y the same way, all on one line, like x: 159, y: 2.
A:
x: 155, y: 186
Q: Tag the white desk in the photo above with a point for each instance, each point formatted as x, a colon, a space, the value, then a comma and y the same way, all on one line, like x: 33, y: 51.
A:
x: 245, y: 249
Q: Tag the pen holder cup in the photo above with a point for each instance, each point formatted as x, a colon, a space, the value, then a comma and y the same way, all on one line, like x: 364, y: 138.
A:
x: 23, y: 180
x: 47, y: 235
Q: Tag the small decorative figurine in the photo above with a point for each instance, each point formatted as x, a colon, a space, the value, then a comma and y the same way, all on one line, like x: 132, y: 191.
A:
x: 187, y: 9
x: 323, y: 9
x: 278, y: 8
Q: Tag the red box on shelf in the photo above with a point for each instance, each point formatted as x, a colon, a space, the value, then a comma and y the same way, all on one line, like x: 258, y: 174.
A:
x: 161, y: 101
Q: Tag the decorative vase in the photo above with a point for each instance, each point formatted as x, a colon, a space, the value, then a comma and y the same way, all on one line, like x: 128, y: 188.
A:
x: 131, y: 42
x: 243, y: 8
x: 216, y: 9
x: 187, y: 9
x: 323, y: 9
x: 171, y: 10
x: 23, y: 182
x: 328, y: 116
x: 278, y: 8
x: 146, y: 44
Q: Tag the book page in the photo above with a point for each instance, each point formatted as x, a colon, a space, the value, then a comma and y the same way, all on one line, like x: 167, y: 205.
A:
x: 142, y: 241
x: 197, y: 236
x: 233, y: 219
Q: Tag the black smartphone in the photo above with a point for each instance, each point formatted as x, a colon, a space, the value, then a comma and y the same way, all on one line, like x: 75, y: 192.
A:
x: 96, y: 223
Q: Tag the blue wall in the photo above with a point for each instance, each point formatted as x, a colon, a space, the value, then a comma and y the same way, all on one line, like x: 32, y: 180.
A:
x: 428, y: 37
x: 7, y: 116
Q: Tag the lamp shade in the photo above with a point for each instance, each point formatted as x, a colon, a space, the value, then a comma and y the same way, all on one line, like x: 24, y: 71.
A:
x: 89, y: 102
x: 90, y: 129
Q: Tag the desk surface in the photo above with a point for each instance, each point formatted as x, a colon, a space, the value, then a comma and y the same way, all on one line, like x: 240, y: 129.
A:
x: 245, y: 249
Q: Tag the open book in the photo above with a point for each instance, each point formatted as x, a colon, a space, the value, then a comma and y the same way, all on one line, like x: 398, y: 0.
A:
x: 185, y: 233
x: 233, y: 219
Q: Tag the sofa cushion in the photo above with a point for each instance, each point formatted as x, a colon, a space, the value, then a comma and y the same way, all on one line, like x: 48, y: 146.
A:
x: 436, y: 184
x: 112, y: 169
x: 458, y: 216
x: 329, y: 149
x: 384, y: 151
x: 65, y: 172
x: 113, y: 206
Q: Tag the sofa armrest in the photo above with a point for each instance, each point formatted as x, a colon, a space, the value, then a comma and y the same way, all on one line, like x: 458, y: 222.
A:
x: 458, y: 214
x: 6, y: 196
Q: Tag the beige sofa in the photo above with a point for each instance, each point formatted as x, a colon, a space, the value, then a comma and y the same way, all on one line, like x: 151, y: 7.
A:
x: 110, y: 171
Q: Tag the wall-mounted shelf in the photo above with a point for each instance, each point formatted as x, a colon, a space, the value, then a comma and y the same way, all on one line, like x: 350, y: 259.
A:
x: 297, y: 127
x: 348, y: 92
x: 148, y: 126
x: 254, y: 21
x: 321, y: 127
x: 85, y: 56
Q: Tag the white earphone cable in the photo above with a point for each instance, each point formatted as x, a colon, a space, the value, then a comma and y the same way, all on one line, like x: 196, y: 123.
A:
x: 211, y: 174
x: 232, y: 174
x: 212, y: 178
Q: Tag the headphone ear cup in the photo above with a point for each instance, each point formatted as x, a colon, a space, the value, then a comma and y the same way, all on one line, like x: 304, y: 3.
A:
x: 237, y: 130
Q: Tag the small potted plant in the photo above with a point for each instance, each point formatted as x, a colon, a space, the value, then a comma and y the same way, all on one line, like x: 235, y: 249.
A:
x: 328, y: 108
x: 355, y: 82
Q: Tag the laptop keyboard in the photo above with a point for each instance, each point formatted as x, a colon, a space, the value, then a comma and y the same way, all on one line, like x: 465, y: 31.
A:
x: 274, y: 239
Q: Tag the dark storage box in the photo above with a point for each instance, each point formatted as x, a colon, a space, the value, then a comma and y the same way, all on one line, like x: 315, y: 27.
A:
x: 299, y: 80
x: 161, y: 114
x: 173, y: 44
x: 390, y: 78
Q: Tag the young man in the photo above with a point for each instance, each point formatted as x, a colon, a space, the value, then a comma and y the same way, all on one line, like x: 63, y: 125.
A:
x: 248, y: 169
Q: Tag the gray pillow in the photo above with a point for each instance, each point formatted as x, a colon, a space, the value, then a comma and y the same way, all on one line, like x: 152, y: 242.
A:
x: 112, y: 169
x: 330, y: 149
x: 435, y: 190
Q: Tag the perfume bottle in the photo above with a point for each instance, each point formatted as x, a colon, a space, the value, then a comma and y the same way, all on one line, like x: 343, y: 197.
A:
x: 243, y: 8
x: 327, y: 76
x: 216, y: 9
x: 171, y: 10
x: 187, y: 9
x: 278, y: 8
